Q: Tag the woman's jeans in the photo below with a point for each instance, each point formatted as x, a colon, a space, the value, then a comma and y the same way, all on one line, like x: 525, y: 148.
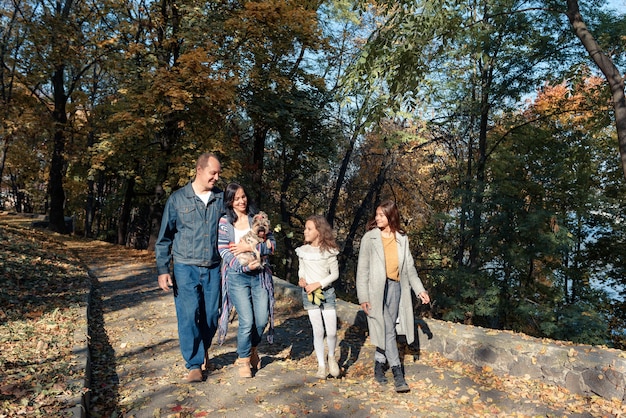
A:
x: 197, y: 299
x: 252, y: 304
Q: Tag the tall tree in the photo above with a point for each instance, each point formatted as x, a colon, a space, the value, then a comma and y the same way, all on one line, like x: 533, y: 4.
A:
x: 544, y: 198
x: 16, y: 104
x: 64, y: 40
x: 173, y: 97
x: 608, y: 68
x: 470, y: 60
x: 271, y: 41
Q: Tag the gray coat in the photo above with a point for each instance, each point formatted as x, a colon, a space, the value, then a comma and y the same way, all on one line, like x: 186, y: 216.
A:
x: 370, y: 285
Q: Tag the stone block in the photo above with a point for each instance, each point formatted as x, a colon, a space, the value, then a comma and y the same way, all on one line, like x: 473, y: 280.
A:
x: 582, y: 369
x: 524, y: 366
x: 606, y: 383
x: 485, y: 355
x: 574, y: 383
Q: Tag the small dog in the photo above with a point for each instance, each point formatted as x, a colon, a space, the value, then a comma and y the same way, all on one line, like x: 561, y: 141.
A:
x: 257, y: 234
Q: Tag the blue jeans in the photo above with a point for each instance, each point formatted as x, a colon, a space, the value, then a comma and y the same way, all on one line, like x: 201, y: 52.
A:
x: 252, y: 304
x: 197, y: 299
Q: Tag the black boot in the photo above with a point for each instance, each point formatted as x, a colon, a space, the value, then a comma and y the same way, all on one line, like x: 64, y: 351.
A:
x: 379, y: 372
x: 398, y: 380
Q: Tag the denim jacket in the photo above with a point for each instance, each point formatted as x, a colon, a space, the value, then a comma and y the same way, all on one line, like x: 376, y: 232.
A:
x: 189, y: 230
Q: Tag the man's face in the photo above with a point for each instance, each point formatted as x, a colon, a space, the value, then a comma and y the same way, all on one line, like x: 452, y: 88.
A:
x: 209, y: 175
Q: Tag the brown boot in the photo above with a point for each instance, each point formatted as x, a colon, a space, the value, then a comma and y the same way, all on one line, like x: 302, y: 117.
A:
x: 244, y: 367
x: 255, y: 360
x: 195, y: 375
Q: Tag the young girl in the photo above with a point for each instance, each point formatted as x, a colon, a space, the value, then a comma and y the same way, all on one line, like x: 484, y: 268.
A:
x: 318, y: 269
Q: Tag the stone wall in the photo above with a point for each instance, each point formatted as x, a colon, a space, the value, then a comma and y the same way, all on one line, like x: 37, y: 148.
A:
x: 582, y: 369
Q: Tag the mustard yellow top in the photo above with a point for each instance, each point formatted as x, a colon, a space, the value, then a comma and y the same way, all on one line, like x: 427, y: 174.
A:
x: 390, y: 248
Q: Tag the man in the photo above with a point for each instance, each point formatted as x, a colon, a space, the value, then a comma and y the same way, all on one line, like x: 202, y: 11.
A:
x: 188, y: 236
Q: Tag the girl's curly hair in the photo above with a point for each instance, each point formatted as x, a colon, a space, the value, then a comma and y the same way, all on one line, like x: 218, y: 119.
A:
x: 327, y: 237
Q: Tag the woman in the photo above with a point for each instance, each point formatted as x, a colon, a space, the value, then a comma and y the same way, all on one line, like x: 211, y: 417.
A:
x: 248, y: 288
x: 385, y: 275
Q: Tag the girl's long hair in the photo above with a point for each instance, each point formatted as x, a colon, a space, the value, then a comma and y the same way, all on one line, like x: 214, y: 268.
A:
x: 327, y: 238
x: 229, y: 199
x: 392, y: 213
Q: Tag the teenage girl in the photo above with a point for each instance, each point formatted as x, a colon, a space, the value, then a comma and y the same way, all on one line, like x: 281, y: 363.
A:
x: 385, y: 275
x: 317, y: 270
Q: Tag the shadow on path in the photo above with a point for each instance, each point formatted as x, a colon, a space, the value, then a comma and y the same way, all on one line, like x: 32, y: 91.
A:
x: 352, y: 343
x: 103, y: 396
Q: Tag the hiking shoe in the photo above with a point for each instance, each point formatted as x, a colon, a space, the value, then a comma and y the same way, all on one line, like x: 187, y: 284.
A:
x: 379, y: 372
x: 398, y: 380
x: 244, y: 367
x: 195, y: 375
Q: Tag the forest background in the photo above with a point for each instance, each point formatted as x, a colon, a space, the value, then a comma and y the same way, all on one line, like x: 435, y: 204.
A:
x: 498, y: 126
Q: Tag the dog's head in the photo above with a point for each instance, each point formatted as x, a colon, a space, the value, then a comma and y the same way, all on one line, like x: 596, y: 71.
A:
x: 261, y: 224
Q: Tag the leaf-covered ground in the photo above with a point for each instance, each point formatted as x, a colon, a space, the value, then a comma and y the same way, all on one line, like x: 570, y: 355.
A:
x: 140, y: 369
x: 137, y: 368
x: 43, y: 294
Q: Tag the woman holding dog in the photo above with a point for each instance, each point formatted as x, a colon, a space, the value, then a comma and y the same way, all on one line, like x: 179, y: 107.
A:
x: 249, y: 287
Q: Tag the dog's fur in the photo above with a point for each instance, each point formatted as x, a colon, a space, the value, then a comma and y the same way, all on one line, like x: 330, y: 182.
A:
x: 257, y: 234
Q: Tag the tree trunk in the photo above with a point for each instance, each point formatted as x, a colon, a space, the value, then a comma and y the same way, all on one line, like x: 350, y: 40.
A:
x: 90, y: 209
x: 334, y: 201
x: 258, y: 154
x: 4, y: 148
x: 124, y: 221
x: 361, y: 212
x: 57, y: 165
x: 610, y: 71
x: 465, y: 203
x: 55, y: 185
x: 479, y: 192
x: 17, y: 195
x: 285, y: 216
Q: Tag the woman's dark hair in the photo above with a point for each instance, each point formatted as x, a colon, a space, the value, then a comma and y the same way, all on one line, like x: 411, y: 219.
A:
x: 390, y: 210
x: 229, y: 199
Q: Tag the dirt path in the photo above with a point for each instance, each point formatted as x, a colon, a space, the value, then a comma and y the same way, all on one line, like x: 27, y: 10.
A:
x: 138, y: 369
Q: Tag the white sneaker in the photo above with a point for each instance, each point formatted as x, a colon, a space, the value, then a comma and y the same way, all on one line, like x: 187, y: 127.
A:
x: 321, y: 372
x: 333, y: 367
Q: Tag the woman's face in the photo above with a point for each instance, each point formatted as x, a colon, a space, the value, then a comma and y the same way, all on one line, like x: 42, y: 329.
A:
x: 240, y: 202
x: 310, y: 232
x: 381, y: 219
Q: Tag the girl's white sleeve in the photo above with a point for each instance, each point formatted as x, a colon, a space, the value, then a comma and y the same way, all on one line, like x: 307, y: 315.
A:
x: 300, y: 263
x: 300, y: 268
x: 332, y: 266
